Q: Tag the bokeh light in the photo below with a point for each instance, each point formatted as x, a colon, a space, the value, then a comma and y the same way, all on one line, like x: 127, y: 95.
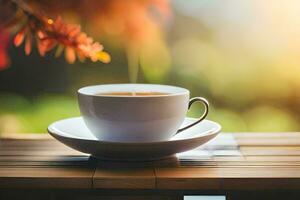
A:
x: 241, y: 55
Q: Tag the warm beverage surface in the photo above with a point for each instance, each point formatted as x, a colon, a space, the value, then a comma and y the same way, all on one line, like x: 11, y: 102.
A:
x: 131, y: 93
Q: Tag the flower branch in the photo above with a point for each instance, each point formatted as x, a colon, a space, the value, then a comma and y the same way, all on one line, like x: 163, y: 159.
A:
x: 55, y: 33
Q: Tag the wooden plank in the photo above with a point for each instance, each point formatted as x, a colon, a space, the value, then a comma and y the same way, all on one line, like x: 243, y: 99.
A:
x: 35, y: 148
x: 56, y: 158
x: 229, y: 178
x: 266, y: 135
x: 40, y: 153
x: 122, y: 175
x: 268, y: 142
x: 268, y: 139
x: 43, y: 163
x: 200, y: 178
x: 273, y: 158
x: 262, y: 172
x: 260, y: 178
x: 23, y: 161
x: 270, y: 151
x: 46, y: 177
x: 292, y: 148
x: 228, y: 158
x: 255, y: 163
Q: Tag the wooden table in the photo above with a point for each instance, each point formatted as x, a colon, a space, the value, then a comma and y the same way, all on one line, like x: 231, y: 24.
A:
x: 266, y: 167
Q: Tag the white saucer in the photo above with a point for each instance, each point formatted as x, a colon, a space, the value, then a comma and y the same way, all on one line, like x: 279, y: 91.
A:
x: 73, y: 133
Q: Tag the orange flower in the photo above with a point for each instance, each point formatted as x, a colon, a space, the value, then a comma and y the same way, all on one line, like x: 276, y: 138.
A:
x: 50, y: 34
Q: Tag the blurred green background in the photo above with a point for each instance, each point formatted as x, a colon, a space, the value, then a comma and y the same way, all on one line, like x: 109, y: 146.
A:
x: 243, y: 56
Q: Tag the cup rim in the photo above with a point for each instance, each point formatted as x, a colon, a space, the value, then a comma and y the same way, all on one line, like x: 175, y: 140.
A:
x: 91, y: 90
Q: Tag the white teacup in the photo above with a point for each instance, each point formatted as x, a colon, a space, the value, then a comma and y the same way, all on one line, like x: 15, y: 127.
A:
x: 126, y: 118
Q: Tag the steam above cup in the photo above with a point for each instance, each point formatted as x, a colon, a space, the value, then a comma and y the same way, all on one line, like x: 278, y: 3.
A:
x: 140, y: 118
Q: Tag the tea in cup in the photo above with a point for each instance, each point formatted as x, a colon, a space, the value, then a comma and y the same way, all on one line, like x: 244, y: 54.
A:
x: 136, y: 112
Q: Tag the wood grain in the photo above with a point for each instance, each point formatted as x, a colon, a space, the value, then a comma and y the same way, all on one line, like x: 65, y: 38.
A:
x: 124, y: 176
x: 261, y: 161
x: 200, y: 178
x: 43, y: 163
x: 45, y: 177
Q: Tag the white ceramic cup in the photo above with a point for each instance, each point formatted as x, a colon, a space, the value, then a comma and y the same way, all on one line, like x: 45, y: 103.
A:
x: 148, y: 118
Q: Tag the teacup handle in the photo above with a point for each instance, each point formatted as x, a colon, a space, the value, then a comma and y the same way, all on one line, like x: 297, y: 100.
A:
x: 206, y: 105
